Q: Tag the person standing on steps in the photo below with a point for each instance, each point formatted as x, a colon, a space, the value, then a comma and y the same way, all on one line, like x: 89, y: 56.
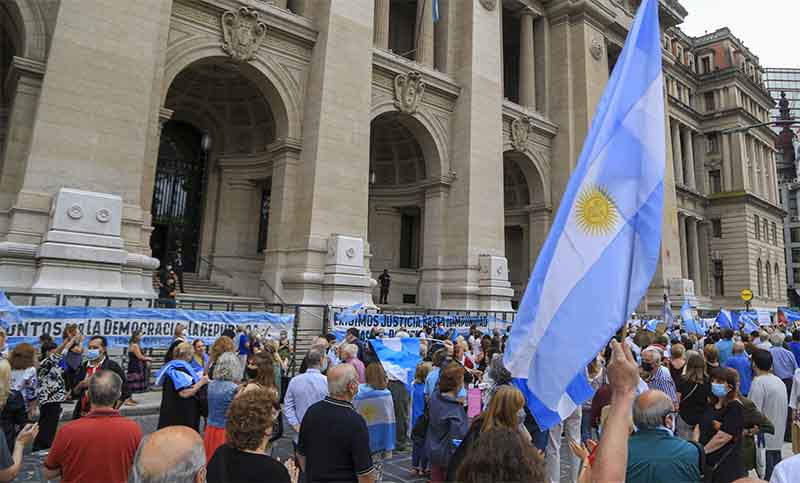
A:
x: 177, y: 265
x: 385, y: 280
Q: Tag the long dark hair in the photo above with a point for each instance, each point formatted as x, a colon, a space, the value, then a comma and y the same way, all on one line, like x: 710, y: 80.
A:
x: 501, y: 455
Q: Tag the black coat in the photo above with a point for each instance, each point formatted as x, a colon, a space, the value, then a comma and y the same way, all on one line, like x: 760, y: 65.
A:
x: 107, y: 365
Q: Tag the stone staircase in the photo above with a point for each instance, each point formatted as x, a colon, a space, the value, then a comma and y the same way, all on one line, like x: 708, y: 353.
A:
x: 202, y: 292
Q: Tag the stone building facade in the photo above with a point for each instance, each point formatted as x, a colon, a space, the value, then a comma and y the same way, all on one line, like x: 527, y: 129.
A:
x: 293, y: 149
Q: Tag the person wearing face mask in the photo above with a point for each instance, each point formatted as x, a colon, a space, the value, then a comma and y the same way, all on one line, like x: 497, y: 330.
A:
x: 769, y: 395
x: 655, y: 454
x: 260, y: 374
x: 306, y: 389
x: 335, y: 420
x: 655, y: 375
x: 722, y: 426
x: 96, y: 361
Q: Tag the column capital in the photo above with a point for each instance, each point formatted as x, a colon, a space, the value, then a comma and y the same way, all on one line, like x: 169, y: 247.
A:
x: 23, y: 71
x: 241, y: 183
x: 530, y: 12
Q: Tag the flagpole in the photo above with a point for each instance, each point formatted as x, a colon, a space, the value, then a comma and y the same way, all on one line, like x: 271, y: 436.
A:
x: 418, y: 29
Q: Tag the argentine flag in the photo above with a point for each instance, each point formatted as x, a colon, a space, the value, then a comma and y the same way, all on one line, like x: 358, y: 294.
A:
x: 9, y: 313
x: 399, y: 357
x: 725, y: 320
x: 377, y: 409
x: 689, y: 322
x: 602, y: 250
x: 749, y: 319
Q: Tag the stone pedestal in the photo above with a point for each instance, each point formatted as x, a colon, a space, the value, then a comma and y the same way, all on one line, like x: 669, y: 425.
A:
x: 83, y: 251
x: 345, y: 281
x: 493, y: 285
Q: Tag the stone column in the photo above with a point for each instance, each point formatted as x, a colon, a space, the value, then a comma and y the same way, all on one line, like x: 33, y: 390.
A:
x: 727, y: 168
x: 424, y: 33
x: 539, y: 224
x: 688, y: 145
x: 527, y: 66
x: 542, y: 59
x: 694, y: 253
x: 677, y: 153
x: 703, y: 236
x: 434, y: 225
x: 759, y: 148
x: 684, y: 251
x: 381, y: 34
x: 24, y: 85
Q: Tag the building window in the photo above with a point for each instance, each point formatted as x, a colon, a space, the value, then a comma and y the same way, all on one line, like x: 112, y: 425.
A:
x: 680, y: 90
x: 796, y: 256
x: 712, y: 140
x: 716, y: 228
x: 719, y: 280
x: 777, y: 281
x: 757, y: 226
x: 705, y: 65
x: 769, y: 280
x: 766, y: 230
x: 709, y: 98
x: 715, y: 181
x: 774, y: 234
x: 794, y: 235
x: 760, y: 278
x: 796, y: 275
x: 263, y: 224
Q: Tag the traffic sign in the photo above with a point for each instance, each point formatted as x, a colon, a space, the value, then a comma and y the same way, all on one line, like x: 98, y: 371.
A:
x: 747, y: 295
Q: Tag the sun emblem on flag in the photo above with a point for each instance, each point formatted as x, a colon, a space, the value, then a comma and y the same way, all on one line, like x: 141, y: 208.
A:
x: 596, y: 211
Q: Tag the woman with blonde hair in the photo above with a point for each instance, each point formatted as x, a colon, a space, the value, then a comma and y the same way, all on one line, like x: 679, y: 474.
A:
x: 220, y: 346
x: 18, y: 441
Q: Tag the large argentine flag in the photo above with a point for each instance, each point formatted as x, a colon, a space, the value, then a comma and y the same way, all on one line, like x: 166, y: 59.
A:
x: 399, y: 357
x: 689, y: 322
x: 601, y: 253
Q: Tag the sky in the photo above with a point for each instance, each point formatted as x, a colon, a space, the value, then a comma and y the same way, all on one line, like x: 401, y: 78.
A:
x: 768, y: 28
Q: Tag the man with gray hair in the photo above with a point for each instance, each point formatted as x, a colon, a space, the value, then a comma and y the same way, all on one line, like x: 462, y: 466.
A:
x: 655, y: 454
x: 334, y: 440
x: 305, y: 390
x: 655, y: 375
x: 174, y: 454
x: 99, y: 446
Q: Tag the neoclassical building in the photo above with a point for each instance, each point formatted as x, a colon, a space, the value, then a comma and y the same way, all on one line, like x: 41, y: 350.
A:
x: 295, y: 149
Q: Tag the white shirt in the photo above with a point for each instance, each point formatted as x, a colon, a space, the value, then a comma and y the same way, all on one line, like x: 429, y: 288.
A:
x: 787, y: 470
x: 794, y: 397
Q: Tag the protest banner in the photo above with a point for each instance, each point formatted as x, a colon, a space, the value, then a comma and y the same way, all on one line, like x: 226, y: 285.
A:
x: 391, y: 324
x: 156, y: 325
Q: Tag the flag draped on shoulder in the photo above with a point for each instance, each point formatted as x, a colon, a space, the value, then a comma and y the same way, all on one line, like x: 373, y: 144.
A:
x: 377, y: 409
x: 603, y: 247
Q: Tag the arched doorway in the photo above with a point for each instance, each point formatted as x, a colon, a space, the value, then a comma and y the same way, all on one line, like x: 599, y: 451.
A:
x: 398, y: 171
x: 213, y: 176
x: 527, y: 218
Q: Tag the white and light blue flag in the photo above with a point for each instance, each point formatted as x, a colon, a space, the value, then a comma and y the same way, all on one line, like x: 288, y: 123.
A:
x: 399, y: 357
x: 666, y: 313
x: 690, y: 323
x: 750, y: 321
x: 377, y: 409
x: 725, y: 320
x: 602, y: 250
x: 435, y: 8
x: 652, y: 325
x: 9, y: 313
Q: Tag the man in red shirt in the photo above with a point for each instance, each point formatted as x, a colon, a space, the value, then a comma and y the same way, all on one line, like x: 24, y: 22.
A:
x: 99, y: 447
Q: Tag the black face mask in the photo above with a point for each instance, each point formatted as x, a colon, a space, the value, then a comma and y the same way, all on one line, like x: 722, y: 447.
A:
x: 251, y: 373
x: 647, y: 367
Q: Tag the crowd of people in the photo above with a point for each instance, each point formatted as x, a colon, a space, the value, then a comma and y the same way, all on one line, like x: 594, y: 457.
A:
x: 668, y: 406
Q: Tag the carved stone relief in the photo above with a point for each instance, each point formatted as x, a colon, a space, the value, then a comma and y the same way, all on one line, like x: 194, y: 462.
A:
x: 243, y: 33
x: 489, y: 4
x: 596, y: 48
x: 408, y: 91
x: 520, y: 133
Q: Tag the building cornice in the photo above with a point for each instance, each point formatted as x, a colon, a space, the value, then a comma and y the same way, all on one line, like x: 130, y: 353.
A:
x: 731, y: 197
x: 436, y: 81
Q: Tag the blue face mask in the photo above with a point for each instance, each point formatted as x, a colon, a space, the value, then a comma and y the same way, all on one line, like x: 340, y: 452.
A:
x: 93, y: 354
x: 719, y: 390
